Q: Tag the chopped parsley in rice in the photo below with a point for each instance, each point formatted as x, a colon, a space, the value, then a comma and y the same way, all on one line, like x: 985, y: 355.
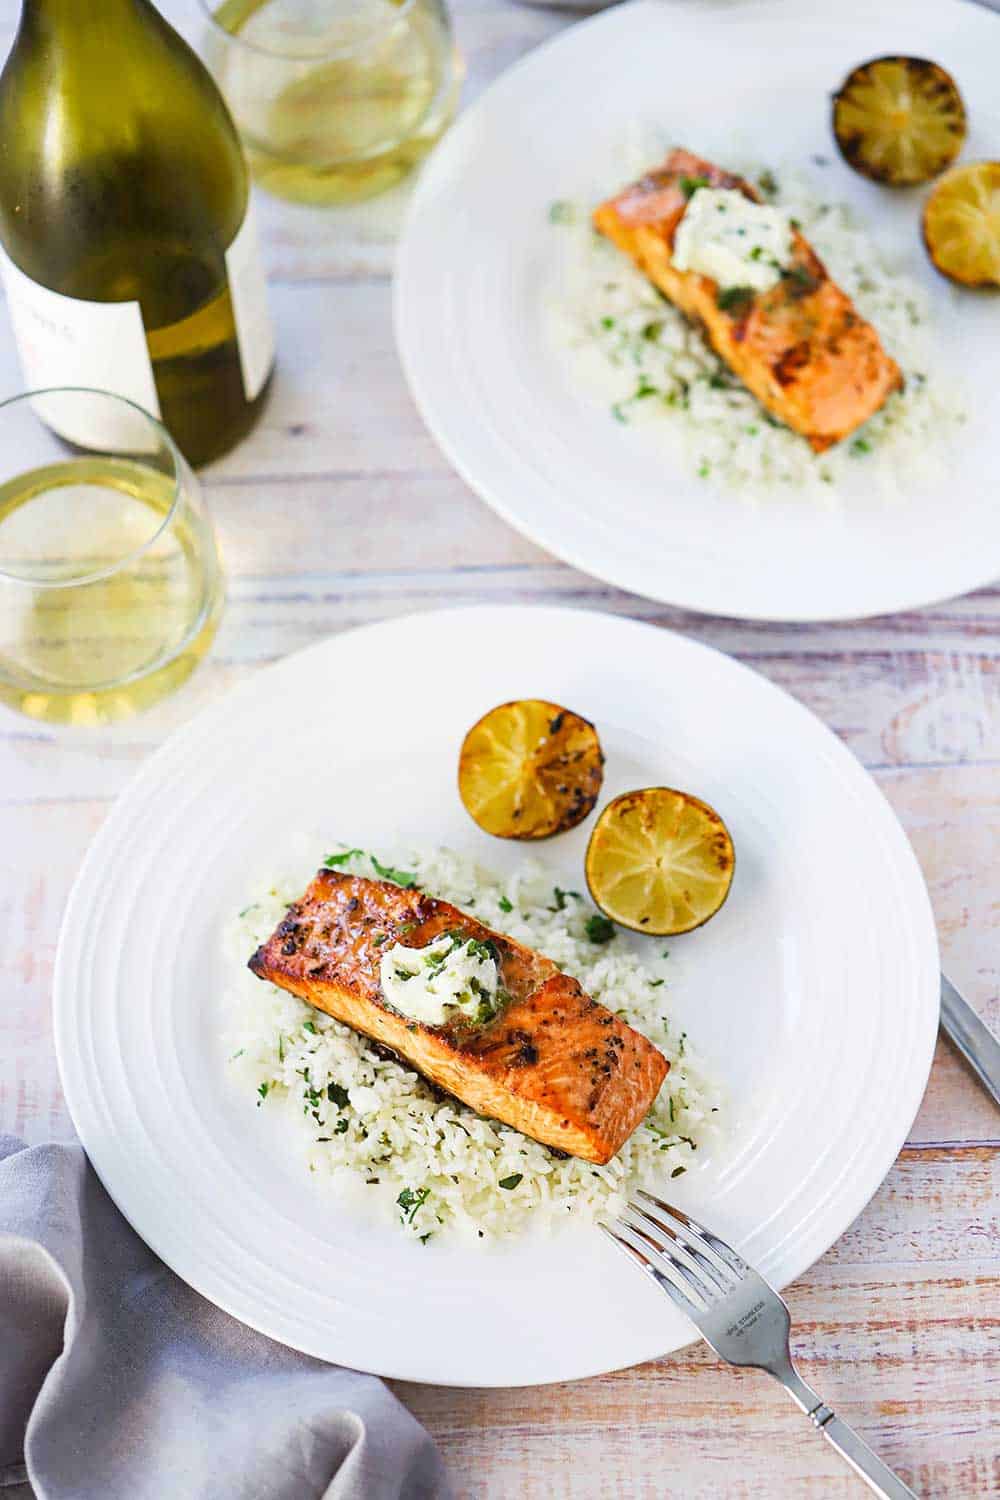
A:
x: 367, y: 1121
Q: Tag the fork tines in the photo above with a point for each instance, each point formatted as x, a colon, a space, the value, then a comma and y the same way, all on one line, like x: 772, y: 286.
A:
x: 692, y: 1264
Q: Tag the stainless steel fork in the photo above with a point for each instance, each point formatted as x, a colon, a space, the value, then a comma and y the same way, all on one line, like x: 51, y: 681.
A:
x: 738, y: 1314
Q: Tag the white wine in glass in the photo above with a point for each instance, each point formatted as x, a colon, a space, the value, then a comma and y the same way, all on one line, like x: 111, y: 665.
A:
x: 110, y: 584
x: 336, y: 100
x: 127, y: 242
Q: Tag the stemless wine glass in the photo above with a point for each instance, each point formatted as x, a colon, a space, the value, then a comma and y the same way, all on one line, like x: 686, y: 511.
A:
x: 336, y: 100
x: 110, y: 584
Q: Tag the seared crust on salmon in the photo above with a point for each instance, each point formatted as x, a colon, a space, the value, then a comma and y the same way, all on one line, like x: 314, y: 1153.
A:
x: 801, y: 347
x: 554, y: 1063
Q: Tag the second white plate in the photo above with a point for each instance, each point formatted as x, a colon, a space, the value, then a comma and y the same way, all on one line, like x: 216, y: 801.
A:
x: 478, y: 273
x: 813, y: 994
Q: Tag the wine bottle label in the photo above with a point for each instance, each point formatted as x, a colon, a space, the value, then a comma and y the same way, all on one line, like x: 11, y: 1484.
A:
x: 248, y: 291
x: 64, y: 341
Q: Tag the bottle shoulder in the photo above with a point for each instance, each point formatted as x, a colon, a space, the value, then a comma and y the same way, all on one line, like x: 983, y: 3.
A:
x: 110, y: 143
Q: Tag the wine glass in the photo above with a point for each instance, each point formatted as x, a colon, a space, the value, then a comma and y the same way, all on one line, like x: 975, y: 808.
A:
x: 110, y: 584
x: 336, y: 100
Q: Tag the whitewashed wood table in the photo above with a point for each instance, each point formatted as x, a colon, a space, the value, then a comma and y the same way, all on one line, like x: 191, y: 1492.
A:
x: 340, y: 510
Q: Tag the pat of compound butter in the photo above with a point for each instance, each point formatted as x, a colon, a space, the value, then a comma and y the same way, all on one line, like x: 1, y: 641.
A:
x: 451, y: 976
x: 736, y: 242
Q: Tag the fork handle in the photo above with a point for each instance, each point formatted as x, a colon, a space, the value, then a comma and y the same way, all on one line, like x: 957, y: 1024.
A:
x: 876, y: 1475
x: 860, y: 1457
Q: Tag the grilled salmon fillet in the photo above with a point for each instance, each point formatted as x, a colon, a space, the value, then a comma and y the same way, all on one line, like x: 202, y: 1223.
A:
x: 554, y: 1063
x: 801, y: 347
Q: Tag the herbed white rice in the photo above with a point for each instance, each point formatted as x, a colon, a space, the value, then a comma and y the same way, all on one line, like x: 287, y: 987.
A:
x: 365, y: 1120
x: 652, y: 366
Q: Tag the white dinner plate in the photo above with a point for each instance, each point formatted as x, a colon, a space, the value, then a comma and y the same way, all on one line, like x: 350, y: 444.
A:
x: 479, y: 273
x: 813, y: 994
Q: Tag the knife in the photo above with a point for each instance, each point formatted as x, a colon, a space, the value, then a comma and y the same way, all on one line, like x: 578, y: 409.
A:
x: 974, y: 1040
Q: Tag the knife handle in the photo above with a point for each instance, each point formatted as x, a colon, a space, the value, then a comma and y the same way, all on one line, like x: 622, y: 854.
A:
x: 973, y: 1039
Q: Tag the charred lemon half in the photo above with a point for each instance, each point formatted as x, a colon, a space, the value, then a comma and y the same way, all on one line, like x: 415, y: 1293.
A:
x: 962, y: 224
x: 899, y: 120
x: 530, y: 769
x: 659, y: 861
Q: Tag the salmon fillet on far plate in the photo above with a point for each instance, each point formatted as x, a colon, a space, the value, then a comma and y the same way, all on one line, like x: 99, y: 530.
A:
x: 553, y: 1063
x: 801, y: 347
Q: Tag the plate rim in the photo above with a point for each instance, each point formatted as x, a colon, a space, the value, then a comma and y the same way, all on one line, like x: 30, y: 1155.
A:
x: 80, y: 1104
x: 971, y: 575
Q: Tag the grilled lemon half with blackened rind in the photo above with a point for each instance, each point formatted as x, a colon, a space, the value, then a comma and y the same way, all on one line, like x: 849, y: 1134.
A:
x: 529, y: 769
x: 962, y: 224
x: 899, y: 120
x: 659, y: 861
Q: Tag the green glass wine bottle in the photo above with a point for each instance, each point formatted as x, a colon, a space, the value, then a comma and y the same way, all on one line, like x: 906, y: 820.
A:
x: 127, y: 241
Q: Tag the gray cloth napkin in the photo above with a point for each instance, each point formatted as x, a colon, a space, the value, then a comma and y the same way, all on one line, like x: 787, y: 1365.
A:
x: 117, y: 1382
